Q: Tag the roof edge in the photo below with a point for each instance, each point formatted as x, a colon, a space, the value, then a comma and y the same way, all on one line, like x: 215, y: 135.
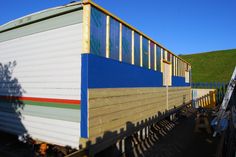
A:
x: 40, y: 15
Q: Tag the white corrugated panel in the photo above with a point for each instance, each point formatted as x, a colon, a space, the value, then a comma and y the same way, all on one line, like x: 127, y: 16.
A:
x: 53, y: 131
x: 43, y: 65
x: 50, y: 57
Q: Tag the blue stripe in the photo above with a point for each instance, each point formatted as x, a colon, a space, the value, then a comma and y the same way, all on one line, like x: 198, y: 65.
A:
x: 109, y: 73
x: 84, y: 97
x: 178, y: 81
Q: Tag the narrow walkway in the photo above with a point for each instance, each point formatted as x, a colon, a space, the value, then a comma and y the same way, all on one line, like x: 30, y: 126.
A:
x: 182, y: 141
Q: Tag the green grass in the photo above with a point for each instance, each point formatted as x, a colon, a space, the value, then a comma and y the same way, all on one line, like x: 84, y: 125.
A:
x: 215, y: 66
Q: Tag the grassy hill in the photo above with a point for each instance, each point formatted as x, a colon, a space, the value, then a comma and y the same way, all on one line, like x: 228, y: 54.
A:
x: 215, y: 66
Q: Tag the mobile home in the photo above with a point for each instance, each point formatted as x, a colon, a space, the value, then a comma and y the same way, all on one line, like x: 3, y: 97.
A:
x: 73, y: 73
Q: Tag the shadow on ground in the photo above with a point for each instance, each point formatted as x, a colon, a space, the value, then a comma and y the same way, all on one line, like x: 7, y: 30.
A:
x: 182, y: 141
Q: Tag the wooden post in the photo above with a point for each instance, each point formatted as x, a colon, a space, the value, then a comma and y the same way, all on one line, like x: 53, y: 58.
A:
x: 161, y: 62
x: 108, y: 37
x: 86, y: 26
x: 149, y: 54
x: 132, y: 47
x: 141, y: 50
x: 120, y: 46
x: 155, y: 57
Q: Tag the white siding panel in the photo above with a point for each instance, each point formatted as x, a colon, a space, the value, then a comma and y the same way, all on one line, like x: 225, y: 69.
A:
x: 49, y: 130
x: 48, y: 64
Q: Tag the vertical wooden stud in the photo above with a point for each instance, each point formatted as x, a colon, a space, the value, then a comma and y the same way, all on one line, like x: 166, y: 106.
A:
x: 155, y: 57
x: 176, y: 66
x: 132, y: 47
x: 141, y: 50
x: 170, y: 75
x: 86, y: 28
x: 161, y: 62
x: 173, y: 65
x: 120, y: 46
x: 108, y: 37
x: 149, y: 54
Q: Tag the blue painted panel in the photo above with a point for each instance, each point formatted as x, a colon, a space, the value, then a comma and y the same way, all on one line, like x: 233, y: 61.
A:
x: 114, y: 38
x: 98, y: 32
x: 145, y: 52
x: 126, y: 44
x: 84, y: 97
x: 136, y: 49
x: 178, y: 81
x: 109, y: 73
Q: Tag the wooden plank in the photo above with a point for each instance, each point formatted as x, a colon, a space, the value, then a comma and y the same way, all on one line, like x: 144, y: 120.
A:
x: 149, y: 54
x: 141, y: 50
x: 132, y: 47
x: 101, y: 119
x: 155, y: 57
x: 86, y: 28
x: 120, y: 44
x: 99, y: 102
x: 108, y: 37
x: 122, y: 106
x: 121, y: 123
x: 161, y: 62
x: 113, y: 108
x: 109, y: 92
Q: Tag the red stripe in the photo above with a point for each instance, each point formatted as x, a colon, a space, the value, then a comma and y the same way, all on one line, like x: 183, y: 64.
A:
x: 63, y: 101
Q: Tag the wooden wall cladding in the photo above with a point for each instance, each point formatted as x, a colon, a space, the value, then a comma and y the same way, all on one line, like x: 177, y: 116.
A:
x: 110, y: 109
x: 178, y: 96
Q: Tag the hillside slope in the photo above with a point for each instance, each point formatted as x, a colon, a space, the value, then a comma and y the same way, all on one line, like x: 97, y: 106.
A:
x: 215, y: 66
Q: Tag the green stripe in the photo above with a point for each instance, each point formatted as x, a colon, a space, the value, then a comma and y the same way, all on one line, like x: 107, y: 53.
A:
x: 49, y: 104
x: 35, y: 103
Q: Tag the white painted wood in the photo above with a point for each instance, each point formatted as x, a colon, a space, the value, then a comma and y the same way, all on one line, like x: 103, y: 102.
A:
x: 167, y: 74
x: 187, y: 76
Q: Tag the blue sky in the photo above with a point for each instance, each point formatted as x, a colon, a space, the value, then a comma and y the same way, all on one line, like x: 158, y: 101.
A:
x: 183, y: 26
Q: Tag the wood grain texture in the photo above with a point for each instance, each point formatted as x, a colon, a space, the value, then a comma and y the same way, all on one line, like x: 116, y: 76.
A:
x: 111, y: 109
x: 178, y: 96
